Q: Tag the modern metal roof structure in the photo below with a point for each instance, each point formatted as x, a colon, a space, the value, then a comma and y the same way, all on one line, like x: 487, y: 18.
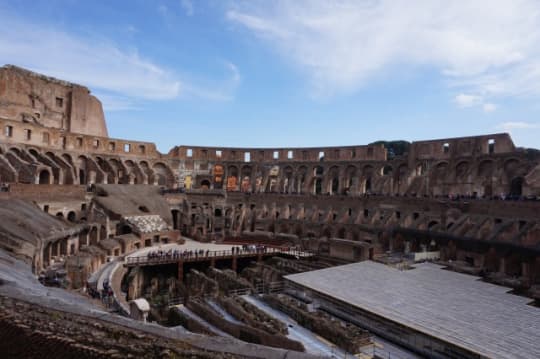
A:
x: 456, y: 308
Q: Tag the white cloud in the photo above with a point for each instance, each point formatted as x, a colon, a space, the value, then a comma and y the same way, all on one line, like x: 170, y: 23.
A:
x: 510, y: 126
x: 489, y: 107
x: 485, y: 48
x: 187, y: 5
x: 123, y: 76
x: 466, y: 100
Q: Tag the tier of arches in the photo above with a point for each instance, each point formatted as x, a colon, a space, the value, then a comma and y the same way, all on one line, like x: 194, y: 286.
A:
x: 30, y: 165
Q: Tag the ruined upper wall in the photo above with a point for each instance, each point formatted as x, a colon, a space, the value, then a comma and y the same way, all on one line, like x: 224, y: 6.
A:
x: 29, y: 97
x: 462, y: 147
x: 17, y: 133
x: 314, y: 154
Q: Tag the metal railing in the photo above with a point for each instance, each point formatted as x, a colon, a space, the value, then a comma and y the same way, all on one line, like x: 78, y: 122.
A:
x: 175, y: 256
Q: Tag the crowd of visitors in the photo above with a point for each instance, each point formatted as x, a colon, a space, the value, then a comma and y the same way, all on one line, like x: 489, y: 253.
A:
x: 178, y: 254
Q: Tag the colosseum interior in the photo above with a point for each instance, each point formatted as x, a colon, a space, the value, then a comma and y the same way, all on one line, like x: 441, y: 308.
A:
x: 109, y: 248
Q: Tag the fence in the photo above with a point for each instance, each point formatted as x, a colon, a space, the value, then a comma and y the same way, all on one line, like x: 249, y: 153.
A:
x: 175, y: 256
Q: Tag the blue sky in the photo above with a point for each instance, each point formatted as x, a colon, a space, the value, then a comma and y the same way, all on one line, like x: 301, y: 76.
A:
x: 290, y: 73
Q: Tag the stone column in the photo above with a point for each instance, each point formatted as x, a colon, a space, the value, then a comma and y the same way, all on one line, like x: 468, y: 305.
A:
x: 181, y: 271
x: 502, y: 265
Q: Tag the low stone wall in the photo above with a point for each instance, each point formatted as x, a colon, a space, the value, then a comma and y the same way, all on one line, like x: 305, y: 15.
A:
x: 176, y: 317
x: 252, y: 316
x: 350, y: 337
x: 243, y: 332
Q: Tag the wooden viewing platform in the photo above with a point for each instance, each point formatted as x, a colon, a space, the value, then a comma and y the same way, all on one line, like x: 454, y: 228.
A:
x: 194, y: 256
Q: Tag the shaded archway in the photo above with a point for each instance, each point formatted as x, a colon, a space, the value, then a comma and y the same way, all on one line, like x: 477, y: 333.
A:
x: 516, y: 186
x: 44, y: 177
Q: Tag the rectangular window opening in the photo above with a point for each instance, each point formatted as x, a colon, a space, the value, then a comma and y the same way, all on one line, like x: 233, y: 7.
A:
x: 276, y: 155
x: 127, y: 147
x: 219, y: 153
x: 189, y: 152
x: 491, y: 146
x: 8, y: 131
x: 247, y: 157
x: 446, y: 148
x: 27, y: 134
x: 290, y: 155
x: 59, y: 102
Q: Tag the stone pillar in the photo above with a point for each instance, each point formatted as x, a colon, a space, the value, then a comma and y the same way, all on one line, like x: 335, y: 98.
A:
x: 502, y: 265
x: 213, y: 262
x: 525, y: 270
x: 234, y: 263
x: 181, y: 271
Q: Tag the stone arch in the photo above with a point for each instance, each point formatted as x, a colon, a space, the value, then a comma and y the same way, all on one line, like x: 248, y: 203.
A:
x: 288, y: 179
x: 350, y: 177
x: 387, y: 170
x: 462, y: 170
x: 82, y: 169
x: 512, y: 169
x: 516, y: 186
x: 102, y: 232
x: 246, y: 173
x: 107, y: 169
x: 367, y: 178
x: 485, y: 169
x: 163, y: 175
x: 318, y: 171
x: 232, y: 178
x: 72, y: 216
x: 301, y: 178
x: 93, y: 235
x: 333, y: 180
x: 440, y: 172
x: 205, y: 184
x: 44, y: 177
x: 136, y: 175
x: 327, y: 232
x: 65, y: 165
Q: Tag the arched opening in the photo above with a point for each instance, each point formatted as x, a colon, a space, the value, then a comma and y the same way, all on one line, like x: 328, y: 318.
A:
x: 218, y: 212
x: 318, y: 186
x: 335, y: 185
x: 205, y: 184
x: 93, y: 236
x: 44, y: 177
x: 102, y: 233
x: 60, y: 215
x: 432, y: 224
x: 368, y: 185
x: 387, y: 171
x: 72, y: 217
x: 82, y: 177
x: 516, y: 186
x: 125, y: 229
x: 175, y: 214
